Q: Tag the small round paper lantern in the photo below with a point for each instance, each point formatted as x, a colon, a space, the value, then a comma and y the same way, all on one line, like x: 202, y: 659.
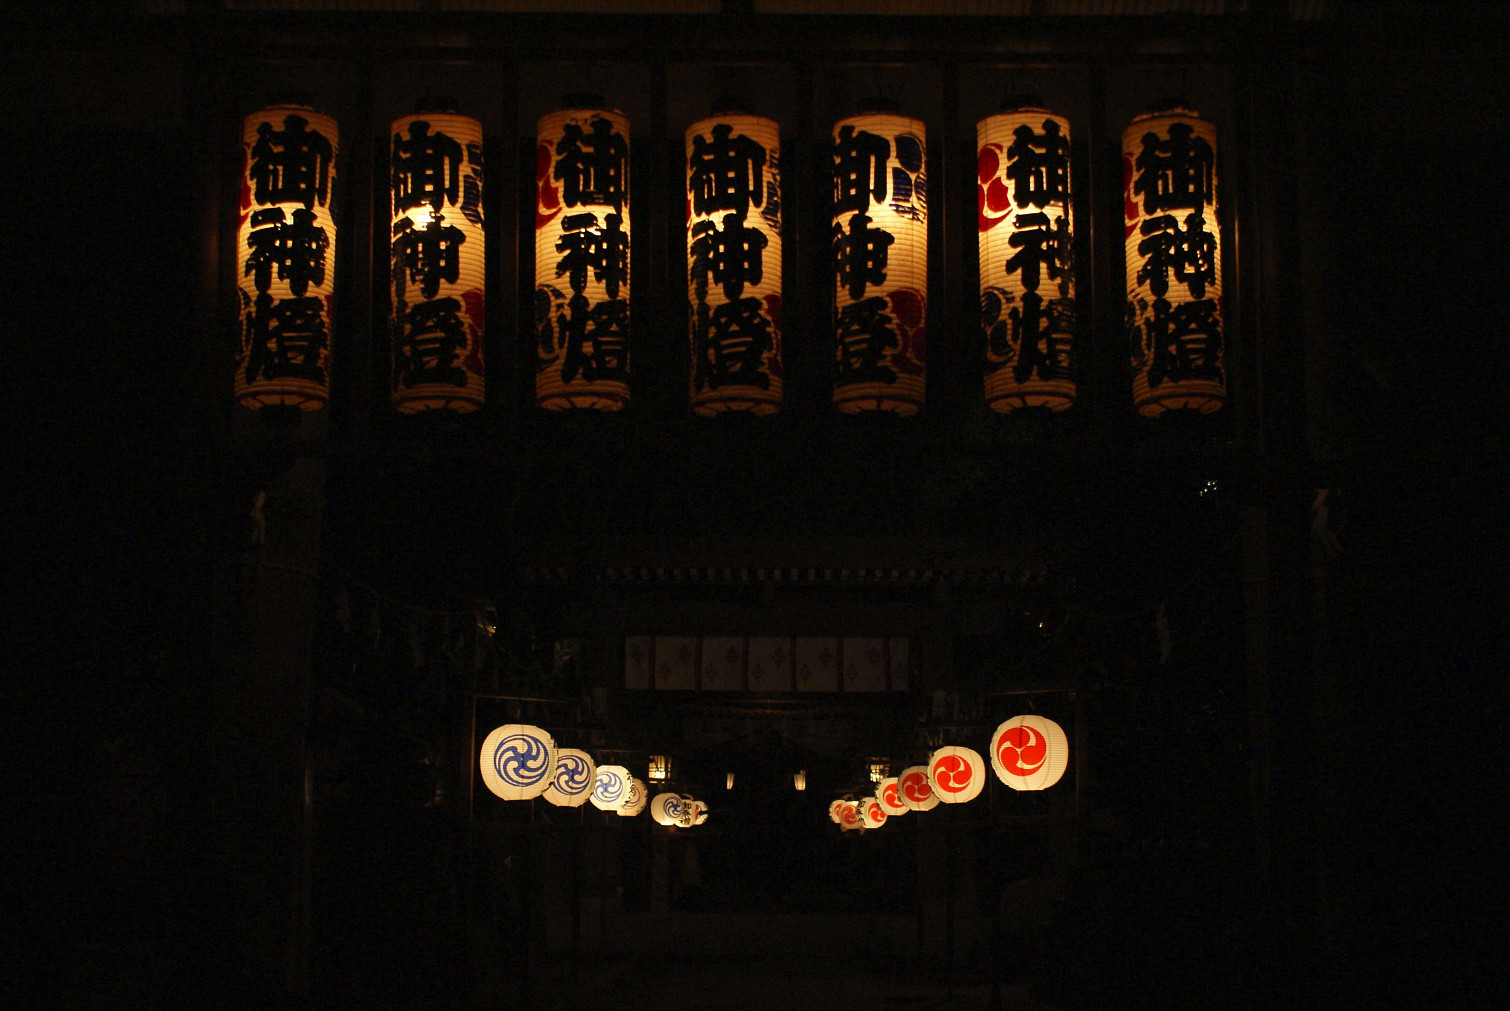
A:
x: 518, y: 761
x: 849, y: 816
x: 700, y: 816
x: 889, y: 797
x: 1027, y: 278
x: 582, y: 258
x: 437, y: 248
x: 686, y: 815
x: 1029, y: 753
x: 914, y: 789
x: 635, y: 802
x: 1174, y: 263
x: 610, y: 788
x: 286, y: 256
x: 880, y: 249
x: 957, y: 775
x: 573, y: 780
x: 872, y: 815
x: 836, y: 811
x: 734, y: 263
x: 666, y: 808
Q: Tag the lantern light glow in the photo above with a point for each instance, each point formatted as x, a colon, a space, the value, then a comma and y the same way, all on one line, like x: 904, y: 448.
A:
x: 518, y: 761
x: 1029, y: 753
x: 956, y: 774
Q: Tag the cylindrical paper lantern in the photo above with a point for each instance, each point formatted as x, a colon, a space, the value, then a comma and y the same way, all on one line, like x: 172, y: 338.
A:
x: 1029, y: 753
x: 437, y: 249
x: 573, y: 781
x: 582, y: 259
x: 610, y: 787
x: 956, y: 774
x: 872, y: 815
x: 635, y: 802
x: 1174, y: 263
x: 734, y: 263
x: 518, y: 761
x: 849, y: 816
x: 1027, y: 278
x: 887, y: 794
x: 880, y: 240
x: 914, y: 789
x: 286, y: 256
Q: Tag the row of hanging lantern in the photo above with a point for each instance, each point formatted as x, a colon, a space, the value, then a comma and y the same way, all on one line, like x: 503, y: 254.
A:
x: 521, y: 762
x: 581, y: 320
x: 1027, y: 753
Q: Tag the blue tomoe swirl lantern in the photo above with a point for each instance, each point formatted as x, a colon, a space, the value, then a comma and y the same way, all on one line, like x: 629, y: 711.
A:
x: 518, y: 761
x: 666, y: 808
x: 573, y: 782
x: 611, y: 788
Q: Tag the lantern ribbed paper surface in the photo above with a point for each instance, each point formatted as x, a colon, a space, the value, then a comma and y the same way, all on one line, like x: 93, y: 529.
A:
x: 286, y: 255
x: 914, y: 789
x: 1174, y: 263
x: 610, y: 789
x: 1029, y: 753
x: 956, y: 774
x: 573, y: 781
x: 734, y: 263
x: 872, y: 815
x: 635, y: 802
x: 887, y: 793
x: 518, y: 761
x: 880, y: 240
x: 835, y: 811
x: 1027, y: 280
x: 666, y: 808
x: 437, y: 250
x: 849, y: 816
x: 582, y: 260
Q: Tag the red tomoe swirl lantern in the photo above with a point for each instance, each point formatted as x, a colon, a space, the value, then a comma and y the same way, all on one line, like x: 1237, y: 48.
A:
x: 871, y: 813
x: 914, y: 790
x: 956, y: 774
x: 849, y: 816
x: 1029, y: 753
x: 886, y: 793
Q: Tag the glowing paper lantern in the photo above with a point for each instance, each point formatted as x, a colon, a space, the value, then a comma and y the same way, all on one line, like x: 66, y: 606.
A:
x: 1174, y: 263
x: 610, y: 788
x: 849, y: 816
x: 1029, y: 753
x: 880, y: 239
x: 285, y: 259
x: 1027, y: 278
x: 666, y: 808
x: 799, y: 779
x: 573, y: 780
x: 956, y: 774
x: 889, y: 797
x: 582, y: 258
x: 835, y: 811
x: 518, y: 761
x: 734, y: 263
x: 635, y: 802
x: 437, y: 248
x: 915, y: 790
x: 872, y: 815
x: 701, y: 815
x: 686, y: 815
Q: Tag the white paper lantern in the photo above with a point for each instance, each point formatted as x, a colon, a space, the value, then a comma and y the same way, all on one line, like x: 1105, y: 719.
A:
x: 1174, y: 263
x: 849, y: 816
x: 687, y: 814
x: 1029, y: 753
x: 835, y: 811
x: 880, y: 248
x: 914, y: 789
x: 610, y: 788
x: 582, y: 260
x: 956, y: 774
x: 665, y: 808
x: 1027, y: 278
x: 573, y: 781
x: 286, y: 256
x: 518, y: 761
x: 734, y: 263
x: 872, y: 815
x: 635, y: 802
x: 889, y: 797
x: 437, y: 256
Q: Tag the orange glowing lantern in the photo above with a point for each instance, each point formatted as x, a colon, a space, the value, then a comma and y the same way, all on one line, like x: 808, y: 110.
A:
x: 914, y: 789
x: 437, y: 247
x: 956, y: 774
x: 1029, y: 753
x: 872, y: 814
x: 1174, y: 263
x: 849, y: 816
x: 887, y: 793
x: 880, y: 241
x: 286, y: 255
x: 1027, y: 278
x: 582, y: 257
x: 734, y: 262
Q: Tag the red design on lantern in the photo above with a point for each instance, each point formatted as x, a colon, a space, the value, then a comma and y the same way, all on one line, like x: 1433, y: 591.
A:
x: 850, y: 814
x: 916, y: 787
x: 890, y: 795
x: 952, y: 774
x: 1129, y: 205
x: 991, y: 192
x: 546, y: 195
x: 1022, y: 750
x: 907, y: 309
